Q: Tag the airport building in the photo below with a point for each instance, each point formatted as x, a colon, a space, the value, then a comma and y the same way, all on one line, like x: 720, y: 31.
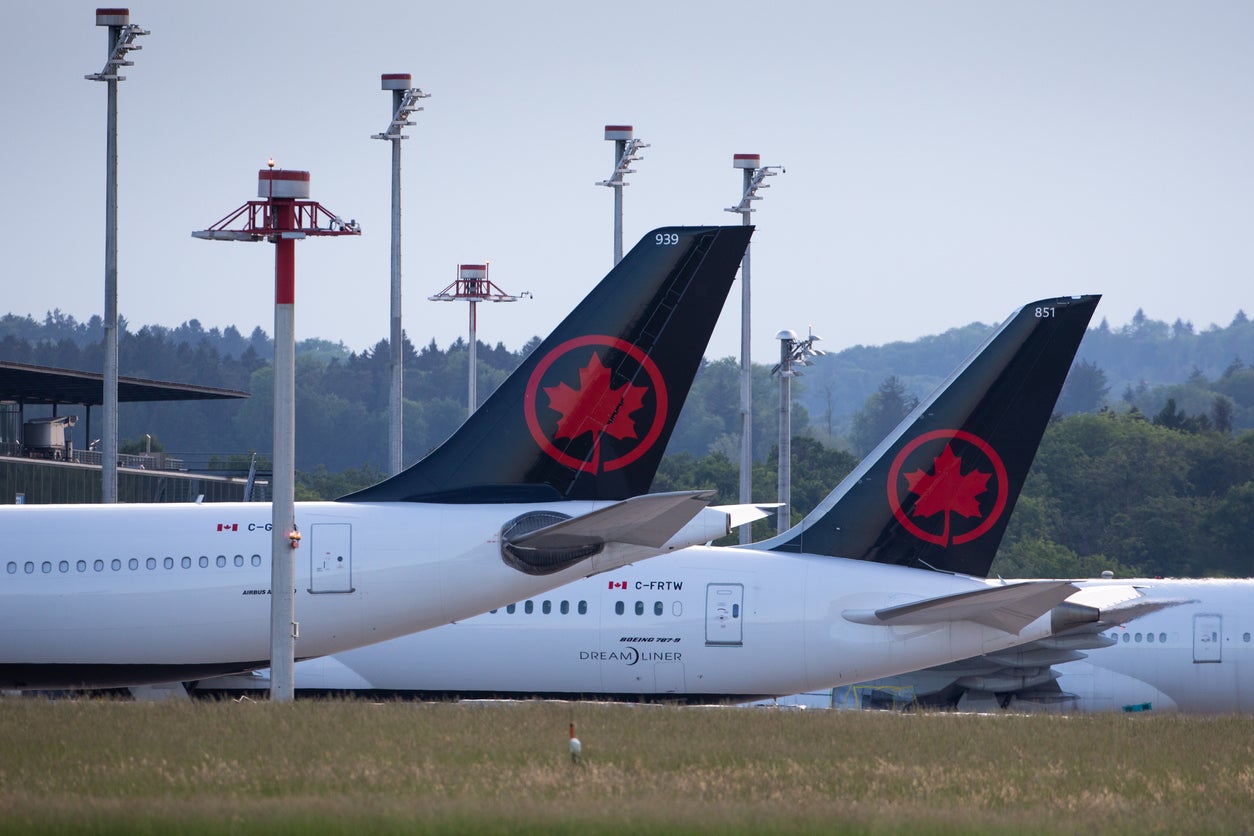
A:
x: 39, y: 463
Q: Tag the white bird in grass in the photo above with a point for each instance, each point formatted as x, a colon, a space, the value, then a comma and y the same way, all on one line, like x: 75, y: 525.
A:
x: 576, y: 748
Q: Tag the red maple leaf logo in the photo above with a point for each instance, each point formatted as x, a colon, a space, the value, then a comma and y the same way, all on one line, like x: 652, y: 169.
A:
x: 947, y: 489
x: 596, y: 406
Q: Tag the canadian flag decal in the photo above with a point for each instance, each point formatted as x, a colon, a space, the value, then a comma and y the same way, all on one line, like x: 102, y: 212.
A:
x: 618, y: 584
x: 228, y: 526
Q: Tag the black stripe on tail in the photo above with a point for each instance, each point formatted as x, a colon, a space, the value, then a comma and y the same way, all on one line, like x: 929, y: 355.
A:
x: 588, y: 414
x: 938, y: 491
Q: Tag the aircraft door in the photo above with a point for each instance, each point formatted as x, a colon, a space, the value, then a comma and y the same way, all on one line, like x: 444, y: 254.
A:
x: 330, y: 557
x: 724, y: 603
x: 1208, y: 635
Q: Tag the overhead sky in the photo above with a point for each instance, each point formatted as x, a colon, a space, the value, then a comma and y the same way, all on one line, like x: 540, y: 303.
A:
x: 946, y: 161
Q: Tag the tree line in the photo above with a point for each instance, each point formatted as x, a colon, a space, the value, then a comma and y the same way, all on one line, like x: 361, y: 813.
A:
x: 1154, y: 476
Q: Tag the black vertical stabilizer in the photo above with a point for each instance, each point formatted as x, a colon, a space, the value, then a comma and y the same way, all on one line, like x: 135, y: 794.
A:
x: 938, y: 491
x: 588, y: 414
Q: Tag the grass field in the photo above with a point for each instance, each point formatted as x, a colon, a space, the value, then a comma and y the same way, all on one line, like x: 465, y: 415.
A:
x: 101, y: 766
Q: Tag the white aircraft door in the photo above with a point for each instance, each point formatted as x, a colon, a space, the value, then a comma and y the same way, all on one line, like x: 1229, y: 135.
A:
x: 330, y: 557
x: 1208, y: 634
x: 723, y: 605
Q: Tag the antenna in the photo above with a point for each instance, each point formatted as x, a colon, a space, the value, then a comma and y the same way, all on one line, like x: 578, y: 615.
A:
x: 626, y: 152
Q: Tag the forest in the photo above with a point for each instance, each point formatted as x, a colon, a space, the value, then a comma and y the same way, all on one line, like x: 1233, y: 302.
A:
x: 1146, y: 468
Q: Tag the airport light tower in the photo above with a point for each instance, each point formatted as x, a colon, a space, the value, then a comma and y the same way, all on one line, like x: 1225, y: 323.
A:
x: 626, y: 151
x: 283, y: 214
x: 122, y: 35
x: 404, y: 104
x: 473, y: 285
x: 754, y: 174
x: 792, y: 353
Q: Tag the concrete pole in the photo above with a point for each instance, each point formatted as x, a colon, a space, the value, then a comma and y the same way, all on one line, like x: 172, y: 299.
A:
x: 282, y: 563
x: 472, y: 398
x: 746, y: 381
x: 109, y: 434
x: 783, y: 517
x: 396, y: 402
x: 620, y: 148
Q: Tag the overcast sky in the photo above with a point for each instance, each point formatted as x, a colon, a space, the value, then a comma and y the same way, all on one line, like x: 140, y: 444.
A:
x: 946, y: 162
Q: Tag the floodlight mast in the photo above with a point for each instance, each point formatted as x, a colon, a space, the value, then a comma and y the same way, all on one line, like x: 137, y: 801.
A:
x: 473, y: 285
x: 404, y: 104
x: 122, y: 35
x: 283, y: 216
x: 626, y: 151
x: 754, y: 174
x: 792, y: 352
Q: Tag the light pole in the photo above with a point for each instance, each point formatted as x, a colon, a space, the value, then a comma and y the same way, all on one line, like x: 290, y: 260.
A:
x: 404, y: 104
x: 792, y: 353
x: 122, y: 35
x: 283, y: 215
x: 473, y: 286
x: 754, y: 174
x: 626, y: 151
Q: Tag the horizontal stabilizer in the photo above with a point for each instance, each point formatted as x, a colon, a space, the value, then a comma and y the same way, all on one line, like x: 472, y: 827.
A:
x: 650, y: 520
x: 738, y: 515
x: 1010, y: 607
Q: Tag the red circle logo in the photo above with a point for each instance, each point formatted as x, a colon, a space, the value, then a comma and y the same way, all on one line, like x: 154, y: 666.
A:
x: 948, y: 498
x: 590, y: 400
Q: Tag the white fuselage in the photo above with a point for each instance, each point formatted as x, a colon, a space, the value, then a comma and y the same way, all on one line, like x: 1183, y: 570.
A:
x: 131, y: 594
x: 703, y: 624
x: 1195, y: 657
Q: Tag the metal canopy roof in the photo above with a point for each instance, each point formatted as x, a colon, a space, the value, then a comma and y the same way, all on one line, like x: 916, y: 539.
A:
x: 40, y: 384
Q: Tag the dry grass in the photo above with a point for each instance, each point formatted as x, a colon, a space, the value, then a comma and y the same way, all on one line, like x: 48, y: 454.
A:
x: 341, y: 767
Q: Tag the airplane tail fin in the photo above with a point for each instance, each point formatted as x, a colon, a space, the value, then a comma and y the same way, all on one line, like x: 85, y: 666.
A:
x: 937, y: 493
x: 588, y: 414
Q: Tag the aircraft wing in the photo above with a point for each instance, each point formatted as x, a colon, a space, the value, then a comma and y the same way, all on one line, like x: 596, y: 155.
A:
x: 1025, y: 672
x: 1009, y: 607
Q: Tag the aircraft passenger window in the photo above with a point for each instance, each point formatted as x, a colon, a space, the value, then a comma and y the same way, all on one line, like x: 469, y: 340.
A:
x: 1149, y: 637
x: 511, y: 608
x: 657, y: 607
x: 256, y: 560
x: 29, y: 567
x: 1138, y: 637
x: 239, y: 560
x: 115, y: 565
x: 618, y: 605
x: 64, y: 566
x: 566, y: 608
x: 1162, y: 638
x: 168, y: 563
x: 46, y: 567
x: 583, y: 608
x: 547, y: 607
x: 12, y: 570
x: 1126, y: 638
x: 151, y: 563
x: 640, y: 608
x: 529, y: 607
x: 204, y: 562
x: 133, y: 563
x: 81, y: 566
x: 677, y: 609
x: 98, y: 566
x: 1245, y: 637
x: 221, y: 560
x: 187, y: 562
